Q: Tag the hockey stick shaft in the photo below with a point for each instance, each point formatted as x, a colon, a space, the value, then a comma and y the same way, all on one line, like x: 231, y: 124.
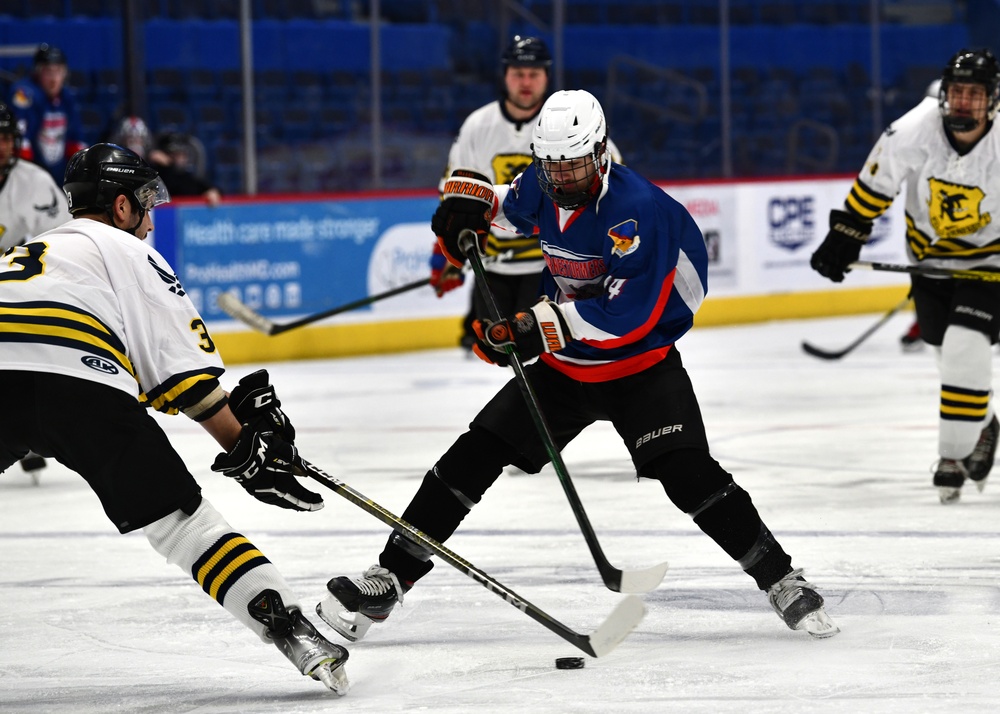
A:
x: 625, y: 617
x: 837, y: 354
x: 984, y: 275
x: 614, y: 578
x: 233, y: 307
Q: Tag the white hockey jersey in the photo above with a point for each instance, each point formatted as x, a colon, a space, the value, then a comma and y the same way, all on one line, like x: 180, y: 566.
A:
x: 951, y: 199
x: 499, y: 147
x: 90, y: 301
x: 30, y: 203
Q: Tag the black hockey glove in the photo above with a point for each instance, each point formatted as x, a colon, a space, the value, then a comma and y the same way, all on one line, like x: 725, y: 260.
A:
x: 842, y: 245
x: 254, y: 402
x: 466, y: 204
x: 263, y: 463
x: 542, y: 328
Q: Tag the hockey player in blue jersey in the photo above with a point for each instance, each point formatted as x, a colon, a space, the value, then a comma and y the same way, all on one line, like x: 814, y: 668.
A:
x: 626, y: 269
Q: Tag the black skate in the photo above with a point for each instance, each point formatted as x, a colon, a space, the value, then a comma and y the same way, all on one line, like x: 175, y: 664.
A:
x: 800, y: 606
x: 979, y: 463
x: 354, y: 604
x: 949, y: 477
x: 298, y: 640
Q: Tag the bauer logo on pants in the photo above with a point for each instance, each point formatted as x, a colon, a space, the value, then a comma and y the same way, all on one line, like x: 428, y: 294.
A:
x: 657, y: 433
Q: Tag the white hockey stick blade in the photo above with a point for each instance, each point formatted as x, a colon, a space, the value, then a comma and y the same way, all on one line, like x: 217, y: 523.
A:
x: 643, y: 581
x: 232, y: 306
x: 626, y: 616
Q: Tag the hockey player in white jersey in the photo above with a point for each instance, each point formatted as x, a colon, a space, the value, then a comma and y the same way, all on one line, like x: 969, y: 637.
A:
x: 948, y: 155
x: 95, y: 328
x: 495, y: 141
x: 30, y: 203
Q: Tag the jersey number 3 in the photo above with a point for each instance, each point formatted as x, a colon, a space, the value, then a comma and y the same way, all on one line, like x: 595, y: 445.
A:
x: 23, y: 262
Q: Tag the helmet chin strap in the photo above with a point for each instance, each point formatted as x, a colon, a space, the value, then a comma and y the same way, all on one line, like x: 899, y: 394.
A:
x: 131, y: 231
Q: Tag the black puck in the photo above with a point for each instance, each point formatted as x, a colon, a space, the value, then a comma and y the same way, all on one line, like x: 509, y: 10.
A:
x: 569, y: 663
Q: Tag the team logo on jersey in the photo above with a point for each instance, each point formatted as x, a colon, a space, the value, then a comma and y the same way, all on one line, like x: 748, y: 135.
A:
x: 955, y: 210
x: 21, y: 99
x: 100, y: 365
x: 169, y: 278
x: 50, y: 209
x: 625, y: 236
x: 507, y: 166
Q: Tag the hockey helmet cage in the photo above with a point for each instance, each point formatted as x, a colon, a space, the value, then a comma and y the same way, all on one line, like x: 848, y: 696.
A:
x: 97, y: 175
x: 570, y: 126
x: 8, y: 127
x: 49, y: 54
x: 975, y: 67
x: 526, y: 52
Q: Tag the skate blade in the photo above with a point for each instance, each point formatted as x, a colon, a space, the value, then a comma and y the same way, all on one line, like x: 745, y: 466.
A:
x: 349, y: 625
x: 949, y: 494
x: 333, y: 676
x: 818, y: 624
x: 980, y: 484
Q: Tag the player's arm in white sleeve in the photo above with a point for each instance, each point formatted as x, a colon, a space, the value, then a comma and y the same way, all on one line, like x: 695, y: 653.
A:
x: 176, y: 360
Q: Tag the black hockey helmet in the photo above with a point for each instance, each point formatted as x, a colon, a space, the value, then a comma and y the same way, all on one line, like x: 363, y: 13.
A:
x: 8, y: 127
x: 975, y: 67
x: 526, y: 52
x: 49, y: 54
x: 97, y: 175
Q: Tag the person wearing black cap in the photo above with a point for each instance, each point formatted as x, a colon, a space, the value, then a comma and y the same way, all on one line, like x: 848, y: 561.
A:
x: 47, y: 114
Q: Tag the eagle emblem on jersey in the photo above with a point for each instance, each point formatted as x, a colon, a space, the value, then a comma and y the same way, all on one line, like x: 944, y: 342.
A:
x: 625, y: 236
x: 169, y: 278
x: 955, y: 209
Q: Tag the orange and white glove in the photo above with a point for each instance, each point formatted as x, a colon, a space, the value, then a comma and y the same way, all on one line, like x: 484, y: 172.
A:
x: 541, y: 328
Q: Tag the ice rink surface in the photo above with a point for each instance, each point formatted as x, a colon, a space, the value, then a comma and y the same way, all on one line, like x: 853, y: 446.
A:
x: 836, y: 455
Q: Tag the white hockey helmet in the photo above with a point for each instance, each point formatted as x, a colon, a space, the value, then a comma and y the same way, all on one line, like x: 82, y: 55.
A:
x: 569, y: 147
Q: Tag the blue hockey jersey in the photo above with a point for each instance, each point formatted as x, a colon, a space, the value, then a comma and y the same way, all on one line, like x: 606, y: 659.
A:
x: 629, y: 269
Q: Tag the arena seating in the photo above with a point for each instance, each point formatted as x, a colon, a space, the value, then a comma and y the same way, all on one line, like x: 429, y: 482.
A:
x: 800, y: 100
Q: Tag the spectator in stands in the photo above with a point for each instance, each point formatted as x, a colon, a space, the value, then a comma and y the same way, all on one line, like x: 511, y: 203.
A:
x: 495, y: 141
x: 47, y: 115
x: 173, y: 156
x: 175, y: 159
x: 134, y: 135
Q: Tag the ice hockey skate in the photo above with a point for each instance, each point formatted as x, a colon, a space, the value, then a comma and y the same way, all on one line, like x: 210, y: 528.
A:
x: 800, y: 606
x: 354, y: 604
x: 979, y: 463
x: 949, y: 477
x: 298, y: 640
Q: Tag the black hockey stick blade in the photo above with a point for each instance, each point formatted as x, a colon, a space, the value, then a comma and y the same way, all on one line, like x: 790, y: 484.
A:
x: 837, y: 354
x: 625, y: 617
x: 621, y: 581
x: 233, y: 307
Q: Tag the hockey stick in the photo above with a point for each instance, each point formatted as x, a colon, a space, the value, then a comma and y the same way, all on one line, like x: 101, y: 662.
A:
x: 627, y: 581
x: 235, y: 308
x: 984, y: 275
x: 625, y: 617
x: 837, y: 354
